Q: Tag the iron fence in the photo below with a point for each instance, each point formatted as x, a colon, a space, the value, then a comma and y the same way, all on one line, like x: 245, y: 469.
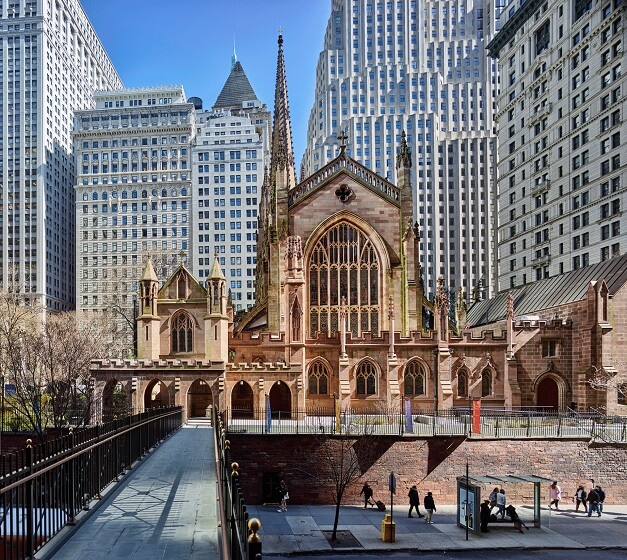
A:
x: 242, y: 540
x: 44, y: 487
x: 492, y: 423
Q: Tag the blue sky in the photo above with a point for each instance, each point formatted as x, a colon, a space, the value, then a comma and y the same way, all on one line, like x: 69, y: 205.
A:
x: 190, y: 42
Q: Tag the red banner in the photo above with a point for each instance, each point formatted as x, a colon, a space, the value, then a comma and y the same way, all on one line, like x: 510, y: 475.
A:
x: 476, y: 416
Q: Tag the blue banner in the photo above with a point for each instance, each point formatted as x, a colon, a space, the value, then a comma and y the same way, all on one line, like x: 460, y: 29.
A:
x: 268, y: 415
x: 409, y: 420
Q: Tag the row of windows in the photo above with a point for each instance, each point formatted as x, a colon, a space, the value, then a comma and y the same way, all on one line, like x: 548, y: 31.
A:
x: 104, y: 195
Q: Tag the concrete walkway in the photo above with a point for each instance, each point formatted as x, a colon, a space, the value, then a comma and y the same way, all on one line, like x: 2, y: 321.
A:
x: 165, y: 509
x: 300, y: 530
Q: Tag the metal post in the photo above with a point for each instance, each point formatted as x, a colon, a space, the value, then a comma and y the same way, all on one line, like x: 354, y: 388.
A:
x: 467, y: 504
x: 1, y: 412
x: 30, y: 537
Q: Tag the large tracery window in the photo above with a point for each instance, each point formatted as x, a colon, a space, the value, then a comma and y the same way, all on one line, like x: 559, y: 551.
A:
x: 414, y: 383
x: 182, y: 333
x: 318, y: 379
x: 366, y: 378
x: 344, y: 263
x: 486, y: 383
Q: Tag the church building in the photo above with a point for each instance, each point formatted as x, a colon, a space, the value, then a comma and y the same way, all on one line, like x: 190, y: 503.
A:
x: 341, y: 316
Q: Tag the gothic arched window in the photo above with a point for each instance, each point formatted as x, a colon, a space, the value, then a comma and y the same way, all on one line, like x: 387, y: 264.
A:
x: 486, y: 383
x: 344, y: 263
x: 366, y: 378
x: 318, y: 379
x: 462, y: 383
x: 414, y: 383
x: 182, y: 333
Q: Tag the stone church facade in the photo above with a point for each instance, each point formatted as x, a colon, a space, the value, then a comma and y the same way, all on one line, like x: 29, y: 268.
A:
x: 338, y: 271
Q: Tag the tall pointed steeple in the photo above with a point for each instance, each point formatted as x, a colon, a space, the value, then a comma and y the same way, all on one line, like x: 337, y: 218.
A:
x: 282, y: 171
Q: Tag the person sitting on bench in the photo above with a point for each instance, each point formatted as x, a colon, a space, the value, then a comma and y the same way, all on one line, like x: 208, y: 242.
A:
x: 518, y: 522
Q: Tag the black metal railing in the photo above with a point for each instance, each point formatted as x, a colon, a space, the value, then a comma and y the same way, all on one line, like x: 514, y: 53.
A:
x: 241, y: 539
x: 45, y: 486
x: 491, y: 423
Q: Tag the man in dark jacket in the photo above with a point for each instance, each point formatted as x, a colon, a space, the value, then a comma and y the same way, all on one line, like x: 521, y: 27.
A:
x: 429, y: 504
x: 593, y: 502
x: 414, y: 501
x: 484, y: 515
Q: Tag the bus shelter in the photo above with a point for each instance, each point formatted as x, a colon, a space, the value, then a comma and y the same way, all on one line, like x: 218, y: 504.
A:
x: 469, y: 496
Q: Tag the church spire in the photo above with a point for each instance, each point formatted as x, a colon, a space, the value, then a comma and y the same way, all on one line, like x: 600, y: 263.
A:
x: 282, y: 148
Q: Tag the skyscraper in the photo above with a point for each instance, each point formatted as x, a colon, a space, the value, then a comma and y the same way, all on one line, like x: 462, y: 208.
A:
x: 133, y: 193
x: 232, y: 146
x: 52, y: 62
x: 562, y: 194
x: 394, y: 65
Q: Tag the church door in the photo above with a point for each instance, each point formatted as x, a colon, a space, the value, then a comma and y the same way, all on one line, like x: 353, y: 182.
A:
x: 242, y: 402
x: 548, y: 395
x: 281, y: 400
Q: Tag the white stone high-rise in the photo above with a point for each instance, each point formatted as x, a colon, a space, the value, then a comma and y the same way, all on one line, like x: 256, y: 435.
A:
x: 232, y: 148
x: 418, y: 66
x: 133, y: 194
x: 51, y: 62
x: 561, y: 117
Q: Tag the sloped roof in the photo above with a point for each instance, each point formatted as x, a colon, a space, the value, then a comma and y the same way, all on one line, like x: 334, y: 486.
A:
x: 236, y: 89
x: 550, y: 292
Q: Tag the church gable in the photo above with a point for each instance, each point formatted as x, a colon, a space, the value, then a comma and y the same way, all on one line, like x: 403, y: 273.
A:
x: 344, y: 194
x: 181, y: 286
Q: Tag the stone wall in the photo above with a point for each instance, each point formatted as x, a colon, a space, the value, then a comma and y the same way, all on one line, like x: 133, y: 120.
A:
x: 433, y: 464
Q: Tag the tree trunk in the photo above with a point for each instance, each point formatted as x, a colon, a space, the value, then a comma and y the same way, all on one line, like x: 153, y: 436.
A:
x: 338, y: 503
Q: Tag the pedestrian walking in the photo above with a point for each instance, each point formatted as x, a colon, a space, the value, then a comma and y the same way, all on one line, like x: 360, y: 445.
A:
x: 581, y: 498
x: 484, y: 515
x: 414, y: 501
x: 555, y: 493
x: 367, y: 493
x: 429, y: 504
x: 284, y: 496
x: 601, y: 494
x: 593, y: 502
x: 500, y: 503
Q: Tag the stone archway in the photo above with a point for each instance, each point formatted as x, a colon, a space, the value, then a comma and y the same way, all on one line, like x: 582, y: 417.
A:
x: 115, y: 401
x: 156, y: 395
x: 551, y: 392
x: 199, y: 398
x: 242, y: 401
x: 281, y: 400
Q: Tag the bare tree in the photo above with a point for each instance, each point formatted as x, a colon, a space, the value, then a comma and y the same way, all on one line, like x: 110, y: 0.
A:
x: 608, y: 379
x: 47, y: 358
x: 338, y: 462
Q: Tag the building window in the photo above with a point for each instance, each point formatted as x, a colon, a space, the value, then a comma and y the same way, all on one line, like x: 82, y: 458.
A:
x: 621, y: 397
x: 182, y: 333
x: 318, y: 379
x: 414, y: 383
x: 366, y: 378
x: 542, y: 37
x: 549, y: 348
x: 486, y: 383
x: 344, y: 266
x: 462, y: 383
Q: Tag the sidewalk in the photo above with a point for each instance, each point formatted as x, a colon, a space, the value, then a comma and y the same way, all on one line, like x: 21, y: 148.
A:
x: 300, y: 530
